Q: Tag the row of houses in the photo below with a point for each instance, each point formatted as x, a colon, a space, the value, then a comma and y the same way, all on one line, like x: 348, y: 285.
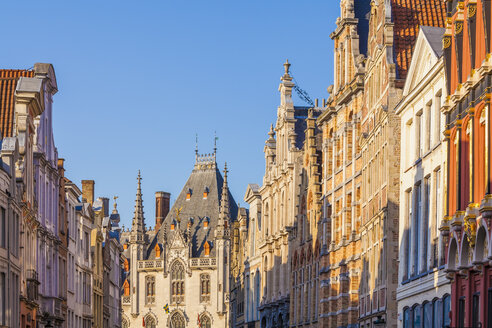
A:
x: 375, y: 206
x: 59, y: 251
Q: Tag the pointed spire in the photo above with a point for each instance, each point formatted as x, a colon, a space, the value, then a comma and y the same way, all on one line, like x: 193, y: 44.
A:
x: 138, y: 223
x: 224, y: 199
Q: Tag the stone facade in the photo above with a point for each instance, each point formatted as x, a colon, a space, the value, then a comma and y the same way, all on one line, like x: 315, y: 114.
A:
x: 422, y: 285
x: 185, y: 265
x: 342, y: 178
x: 10, y: 225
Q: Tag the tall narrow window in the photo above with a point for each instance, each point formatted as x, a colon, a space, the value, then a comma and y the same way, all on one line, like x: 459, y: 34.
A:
x: 428, y: 126
x: 86, y: 244
x: 416, y: 227
x: 437, y: 120
x: 3, y: 298
x: 408, y: 234
x: 437, y: 313
x: 417, y: 317
x: 425, y: 223
x: 489, y: 305
x: 461, y: 312
x: 418, y: 135
x: 427, y: 322
x: 149, y: 290
x: 407, y: 318
x: 204, y: 287
x: 177, y: 283
x: 3, y: 228
x: 437, y: 215
x: 475, y: 309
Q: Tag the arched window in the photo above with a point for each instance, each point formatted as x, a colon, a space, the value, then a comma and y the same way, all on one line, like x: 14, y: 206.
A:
x: 205, y: 321
x: 124, y: 323
x: 204, y: 287
x: 157, y: 251
x: 177, y: 320
x: 149, y: 322
x: 149, y: 290
x: 407, y: 318
x: 177, y: 282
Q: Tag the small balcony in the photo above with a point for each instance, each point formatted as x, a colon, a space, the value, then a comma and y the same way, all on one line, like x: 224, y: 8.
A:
x: 126, y: 300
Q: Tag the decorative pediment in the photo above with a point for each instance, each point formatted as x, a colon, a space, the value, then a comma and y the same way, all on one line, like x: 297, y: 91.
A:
x: 424, y: 58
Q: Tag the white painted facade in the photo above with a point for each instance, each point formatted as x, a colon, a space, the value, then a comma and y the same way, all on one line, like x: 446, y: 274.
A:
x: 422, y: 285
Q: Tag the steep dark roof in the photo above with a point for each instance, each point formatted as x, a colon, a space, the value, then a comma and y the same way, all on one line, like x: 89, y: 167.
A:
x: 301, y: 114
x: 434, y: 35
x: 205, y: 175
x: 408, y: 16
x: 8, y: 83
x: 362, y: 11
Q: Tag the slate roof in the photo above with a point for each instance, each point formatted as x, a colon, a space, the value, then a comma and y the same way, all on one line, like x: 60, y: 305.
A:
x: 198, y: 209
x: 408, y: 16
x: 362, y: 11
x: 301, y: 114
x: 8, y: 84
x: 434, y: 36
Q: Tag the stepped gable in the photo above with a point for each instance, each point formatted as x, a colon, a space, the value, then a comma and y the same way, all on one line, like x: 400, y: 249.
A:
x: 408, y: 16
x: 205, y: 176
x: 8, y: 84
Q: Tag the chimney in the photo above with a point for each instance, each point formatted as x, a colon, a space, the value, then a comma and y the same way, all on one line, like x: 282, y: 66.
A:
x: 105, y: 202
x: 162, y: 200
x: 88, y: 191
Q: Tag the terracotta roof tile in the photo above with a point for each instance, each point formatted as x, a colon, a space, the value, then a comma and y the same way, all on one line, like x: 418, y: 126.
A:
x: 8, y: 83
x: 408, y: 16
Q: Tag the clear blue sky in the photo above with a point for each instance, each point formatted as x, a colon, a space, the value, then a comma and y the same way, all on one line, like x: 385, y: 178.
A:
x: 138, y: 79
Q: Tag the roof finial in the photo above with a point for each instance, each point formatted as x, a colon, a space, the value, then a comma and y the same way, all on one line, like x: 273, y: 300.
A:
x: 215, y: 143
x: 225, y: 172
x: 196, y: 146
x: 286, y: 67
x: 271, y: 133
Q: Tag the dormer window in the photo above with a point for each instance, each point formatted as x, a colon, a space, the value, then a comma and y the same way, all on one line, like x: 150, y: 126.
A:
x: 205, y: 193
x: 206, y: 248
x: 126, y: 265
x: 206, y: 222
x: 190, y: 222
x: 188, y: 194
x: 157, y: 251
x: 125, y: 246
x: 173, y: 224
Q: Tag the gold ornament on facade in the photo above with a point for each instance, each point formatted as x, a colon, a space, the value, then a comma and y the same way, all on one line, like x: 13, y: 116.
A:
x: 470, y: 229
x: 446, y: 41
x: 472, y: 10
x: 459, y: 27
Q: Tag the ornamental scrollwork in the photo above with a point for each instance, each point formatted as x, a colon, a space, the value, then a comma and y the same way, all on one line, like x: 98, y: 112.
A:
x: 472, y: 10
x: 470, y: 228
x: 446, y: 41
x: 459, y: 27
